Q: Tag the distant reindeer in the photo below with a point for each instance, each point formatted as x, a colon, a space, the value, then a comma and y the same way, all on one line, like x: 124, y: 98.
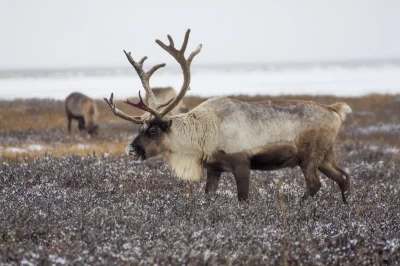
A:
x: 223, y: 134
x: 82, y: 108
x: 165, y: 94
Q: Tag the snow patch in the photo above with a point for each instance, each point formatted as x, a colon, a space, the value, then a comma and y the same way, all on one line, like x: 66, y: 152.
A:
x: 15, y: 149
x: 384, y: 149
x: 57, y: 259
x: 25, y: 262
x: 32, y: 147
x: 82, y: 146
x: 35, y: 147
x: 380, y: 128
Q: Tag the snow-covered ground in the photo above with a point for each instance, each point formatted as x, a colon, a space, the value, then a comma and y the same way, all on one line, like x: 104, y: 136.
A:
x: 209, y: 81
x: 32, y: 147
x: 39, y: 147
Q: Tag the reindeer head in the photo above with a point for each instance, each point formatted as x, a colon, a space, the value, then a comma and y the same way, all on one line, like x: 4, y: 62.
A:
x: 152, y: 139
x: 93, y: 130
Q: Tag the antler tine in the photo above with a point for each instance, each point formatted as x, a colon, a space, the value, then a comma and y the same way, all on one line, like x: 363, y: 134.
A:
x: 194, y: 53
x: 142, y: 60
x: 144, y: 77
x: 171, y: 41
x: 130, y: 59
x: 185, y: 41
x: 179, y: 55
x: 153, y: 69
x: 119, y: 113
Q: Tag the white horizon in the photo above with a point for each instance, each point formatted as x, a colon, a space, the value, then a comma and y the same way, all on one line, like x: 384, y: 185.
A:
x: 339, y: 81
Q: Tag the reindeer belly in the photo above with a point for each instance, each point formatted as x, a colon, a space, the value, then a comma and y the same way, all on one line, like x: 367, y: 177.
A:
x: 223, y: 162
x: 275, y: 156
x: 272, y: 156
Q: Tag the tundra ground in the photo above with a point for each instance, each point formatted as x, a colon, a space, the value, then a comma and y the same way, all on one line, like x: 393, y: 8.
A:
x: 71, y: 199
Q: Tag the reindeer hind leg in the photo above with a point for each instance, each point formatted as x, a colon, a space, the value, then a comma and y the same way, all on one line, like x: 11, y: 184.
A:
x: 329, y: 168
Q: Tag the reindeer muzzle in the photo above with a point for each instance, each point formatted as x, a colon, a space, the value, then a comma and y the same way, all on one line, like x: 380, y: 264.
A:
x: 136, y: 152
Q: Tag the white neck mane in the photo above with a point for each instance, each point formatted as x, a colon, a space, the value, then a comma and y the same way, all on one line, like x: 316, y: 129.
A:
x: 190, y: 142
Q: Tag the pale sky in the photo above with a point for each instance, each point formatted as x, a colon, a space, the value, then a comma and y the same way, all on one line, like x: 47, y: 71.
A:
x: 76, y: 33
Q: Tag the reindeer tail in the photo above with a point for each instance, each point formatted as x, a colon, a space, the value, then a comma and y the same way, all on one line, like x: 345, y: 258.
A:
x: 342, y: 109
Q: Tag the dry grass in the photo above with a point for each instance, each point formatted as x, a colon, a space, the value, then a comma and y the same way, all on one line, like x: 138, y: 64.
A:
x: 43, y: 122
x: 44, y: 114
x: 21, y: 118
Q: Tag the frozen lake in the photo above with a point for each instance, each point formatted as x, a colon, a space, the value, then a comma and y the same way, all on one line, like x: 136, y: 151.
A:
x: 340, y: 80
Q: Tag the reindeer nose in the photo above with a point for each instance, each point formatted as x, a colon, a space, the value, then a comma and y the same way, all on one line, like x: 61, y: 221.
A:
x: 130, y: 149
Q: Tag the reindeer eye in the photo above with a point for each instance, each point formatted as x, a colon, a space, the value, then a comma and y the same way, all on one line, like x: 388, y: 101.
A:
x: 152, y: 131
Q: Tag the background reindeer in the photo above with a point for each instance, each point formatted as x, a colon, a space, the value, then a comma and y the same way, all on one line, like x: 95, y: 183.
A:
x: 223, y: 134
x: 82, y: 108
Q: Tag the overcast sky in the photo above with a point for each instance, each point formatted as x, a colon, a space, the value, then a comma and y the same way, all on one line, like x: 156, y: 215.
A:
x: 77, y: 33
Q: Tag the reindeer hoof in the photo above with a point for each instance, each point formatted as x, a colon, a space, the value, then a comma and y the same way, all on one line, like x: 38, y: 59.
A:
x: 345, y: 195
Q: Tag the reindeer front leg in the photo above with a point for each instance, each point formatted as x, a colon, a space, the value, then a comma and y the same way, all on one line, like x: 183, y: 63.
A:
x: 242, y: 177
x: 212, y: 181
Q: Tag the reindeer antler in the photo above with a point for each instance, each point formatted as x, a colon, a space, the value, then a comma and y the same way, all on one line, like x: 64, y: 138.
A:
x: 153, y: 106
x: 145, y: 76
x: 119, y: 113
x: 179, y: 55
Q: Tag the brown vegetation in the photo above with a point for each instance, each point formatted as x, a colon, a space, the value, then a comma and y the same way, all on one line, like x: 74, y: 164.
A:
x: 43, y: 121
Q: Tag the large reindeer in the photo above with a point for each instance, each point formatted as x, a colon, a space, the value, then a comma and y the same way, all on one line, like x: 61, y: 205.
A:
x: 223, y: 134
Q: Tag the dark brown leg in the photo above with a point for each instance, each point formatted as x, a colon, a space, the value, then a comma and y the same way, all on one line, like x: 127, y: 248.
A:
x: 81, y: 124
x: 327, y: 169
x: 242, y: 177
x: 331, y: 170
x: 312, y: 179
x: 346, y: 177
x: 212, y: 181
x: 69, y: 124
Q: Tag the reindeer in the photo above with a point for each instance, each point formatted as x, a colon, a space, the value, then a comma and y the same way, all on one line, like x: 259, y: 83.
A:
x: 166, y: 93
x: 226, y: 135
x: 82, y: 108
